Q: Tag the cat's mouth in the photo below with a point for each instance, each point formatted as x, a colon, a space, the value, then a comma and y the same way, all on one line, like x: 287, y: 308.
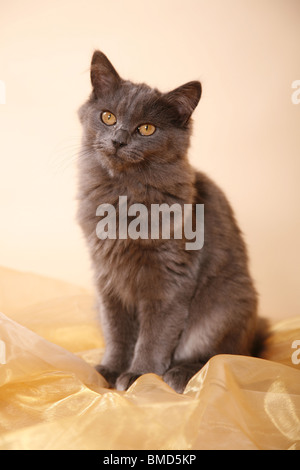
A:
x: 122, y: 155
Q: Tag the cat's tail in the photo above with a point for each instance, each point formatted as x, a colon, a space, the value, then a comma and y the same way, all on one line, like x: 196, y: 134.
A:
x: 263, y: 332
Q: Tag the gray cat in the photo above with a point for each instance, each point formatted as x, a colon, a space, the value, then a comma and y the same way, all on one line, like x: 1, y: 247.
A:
x: 163, y: 308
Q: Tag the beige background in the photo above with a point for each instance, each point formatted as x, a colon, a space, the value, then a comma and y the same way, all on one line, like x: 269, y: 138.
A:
x: 246, y: 132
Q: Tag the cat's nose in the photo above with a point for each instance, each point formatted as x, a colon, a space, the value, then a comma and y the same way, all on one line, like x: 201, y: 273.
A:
x: 120, y: 139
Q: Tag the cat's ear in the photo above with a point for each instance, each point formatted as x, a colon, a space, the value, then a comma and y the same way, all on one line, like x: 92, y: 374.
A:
x: 103, y: 75
x: 185, y: 99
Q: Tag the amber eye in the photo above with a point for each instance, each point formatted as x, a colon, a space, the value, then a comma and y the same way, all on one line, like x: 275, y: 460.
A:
x: 108, y: 118
x: 146, y: 129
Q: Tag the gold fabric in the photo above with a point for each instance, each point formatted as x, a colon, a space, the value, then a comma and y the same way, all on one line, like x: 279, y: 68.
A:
x: 52, y: 398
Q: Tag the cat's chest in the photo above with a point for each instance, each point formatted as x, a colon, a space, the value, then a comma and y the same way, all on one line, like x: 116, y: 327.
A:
x: 135, y: 267
x: 131, y: 269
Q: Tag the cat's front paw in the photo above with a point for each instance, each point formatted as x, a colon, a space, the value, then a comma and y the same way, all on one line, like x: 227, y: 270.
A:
x: 109, y: 375
x: 178, y: 377
x: 125, y: 380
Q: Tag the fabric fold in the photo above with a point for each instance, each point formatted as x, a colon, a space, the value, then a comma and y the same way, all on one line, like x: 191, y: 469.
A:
x: 51, y: 397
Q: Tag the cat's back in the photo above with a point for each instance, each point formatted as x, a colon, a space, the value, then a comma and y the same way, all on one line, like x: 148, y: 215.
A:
x: 223, y: 240
x: 209, y: 193
x: 218, y: 210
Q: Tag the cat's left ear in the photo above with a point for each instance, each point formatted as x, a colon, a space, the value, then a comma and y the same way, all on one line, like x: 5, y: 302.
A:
x: 185, y: 99
x: 103, y: 75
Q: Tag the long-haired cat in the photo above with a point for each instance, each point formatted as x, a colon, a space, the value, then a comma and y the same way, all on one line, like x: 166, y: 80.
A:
x: 163, y: 308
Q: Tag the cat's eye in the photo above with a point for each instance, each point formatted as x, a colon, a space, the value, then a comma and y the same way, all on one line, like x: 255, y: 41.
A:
x: 146, y: 129
x: 108, y: 118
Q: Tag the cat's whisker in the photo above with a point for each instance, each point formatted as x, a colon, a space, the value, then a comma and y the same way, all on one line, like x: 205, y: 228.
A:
x: 69, y: 157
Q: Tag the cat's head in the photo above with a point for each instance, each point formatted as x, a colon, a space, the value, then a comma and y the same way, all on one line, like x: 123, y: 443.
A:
x: 126, y: 123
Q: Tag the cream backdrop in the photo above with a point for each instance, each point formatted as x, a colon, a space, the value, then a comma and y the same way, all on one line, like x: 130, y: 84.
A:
x: 246, y: 132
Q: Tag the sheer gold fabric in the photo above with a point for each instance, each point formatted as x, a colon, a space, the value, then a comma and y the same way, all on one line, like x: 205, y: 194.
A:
x: 52, y: 398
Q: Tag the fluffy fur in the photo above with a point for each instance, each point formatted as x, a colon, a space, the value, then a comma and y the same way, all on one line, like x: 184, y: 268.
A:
x: 163, y: 309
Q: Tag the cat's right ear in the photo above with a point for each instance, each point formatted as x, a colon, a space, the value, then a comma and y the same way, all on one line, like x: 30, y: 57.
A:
x: 185, y: 99
x: 104, y: 77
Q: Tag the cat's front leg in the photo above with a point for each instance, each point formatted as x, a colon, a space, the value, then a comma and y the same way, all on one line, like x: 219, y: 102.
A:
x: 160, y: 329
x: 120, y: 333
